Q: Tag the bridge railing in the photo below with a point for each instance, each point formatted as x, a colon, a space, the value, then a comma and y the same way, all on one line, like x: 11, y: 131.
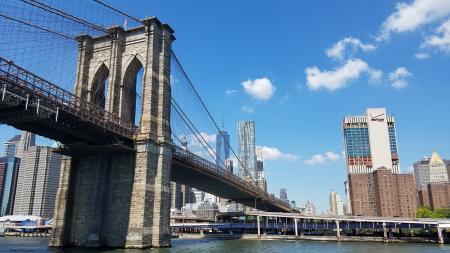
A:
x: 254, y: 189
x: 53, y: 96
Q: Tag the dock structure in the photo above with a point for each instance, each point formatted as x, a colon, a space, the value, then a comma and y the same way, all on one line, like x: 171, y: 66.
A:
x: 292, y: 226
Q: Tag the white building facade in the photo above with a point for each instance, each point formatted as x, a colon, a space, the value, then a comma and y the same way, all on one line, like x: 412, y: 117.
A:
x: 37, y: 182
x: 430, y: 170
x: 336, y: 204
x: 247, y: 150
x: 371, y: 142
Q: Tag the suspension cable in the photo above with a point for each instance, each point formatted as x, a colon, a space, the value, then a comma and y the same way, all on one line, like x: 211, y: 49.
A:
x: 196, y: 136
x: 209, y: 114
x: 63, y: 14
x: 35, y: 26
x: 196, y: 130
x: 117, y: 10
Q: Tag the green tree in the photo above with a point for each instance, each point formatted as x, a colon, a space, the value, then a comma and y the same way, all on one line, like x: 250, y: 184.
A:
x: 439, y: 213
x: 424, y: 212
x: 442, y: 212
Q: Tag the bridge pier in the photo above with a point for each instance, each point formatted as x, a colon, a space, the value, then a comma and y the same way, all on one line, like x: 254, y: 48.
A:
x: 295, y: 227
x: 121, y: 199
x: 149, y: 222
x: 258, y: 218
x: 93, y: 201
x: 385, y: 233
x: 338, y: 231
x: 440, y: 235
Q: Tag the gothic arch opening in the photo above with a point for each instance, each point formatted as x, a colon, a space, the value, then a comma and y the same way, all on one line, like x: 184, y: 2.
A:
x: 131, y: 92
x: 99, y: 87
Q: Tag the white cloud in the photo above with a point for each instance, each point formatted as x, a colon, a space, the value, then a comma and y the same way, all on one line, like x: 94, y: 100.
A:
x: 208, y: 137
x: 230, y: 92
x: 336, y: 78
x: 323, y: 158
x: 441, y: 40
x: 193, y: 139
x: 409, y: 17
x: 399, y: 77
x: 338, y: 50
x: 421, y: 56
x: 270, y: 153
x: 247, y: 109
x: 208, y: 154
x: 316, y: 159
x: 261, y: 88
x: 332, y: 156
x: 375, y: 75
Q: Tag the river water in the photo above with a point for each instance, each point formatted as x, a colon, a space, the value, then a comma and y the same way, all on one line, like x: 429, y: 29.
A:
x: 32, y: 245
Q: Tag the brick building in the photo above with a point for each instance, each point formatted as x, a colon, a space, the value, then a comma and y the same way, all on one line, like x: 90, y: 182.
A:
x: 383, y: 193
x: 439, y: 195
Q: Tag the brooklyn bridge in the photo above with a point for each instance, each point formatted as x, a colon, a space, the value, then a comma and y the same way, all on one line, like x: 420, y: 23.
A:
x: 126, y: 114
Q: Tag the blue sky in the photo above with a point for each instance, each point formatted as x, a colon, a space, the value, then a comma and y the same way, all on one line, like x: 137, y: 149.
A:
x: 298, y: 67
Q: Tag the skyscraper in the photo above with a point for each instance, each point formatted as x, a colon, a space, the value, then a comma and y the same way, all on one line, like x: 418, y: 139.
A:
x: 370, y: 142
x: 336, y: 204
x: 259, y: 162
x: 10, y: 147
x: 14, y: 150
x: 375, y: 185
x: 260, y: 180
x: 37, y: 182
x: 222, y: 148
x: 27, y: 140
x: 246, y: 150
x: 283, y: 195
x: 19, y: 144
x: 180, y: 195
x: 430, y: 170
x: 9, y: 170
x: 229, y: 165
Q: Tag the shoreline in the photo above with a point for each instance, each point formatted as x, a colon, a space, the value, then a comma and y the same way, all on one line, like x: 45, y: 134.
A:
x: 308, y: 238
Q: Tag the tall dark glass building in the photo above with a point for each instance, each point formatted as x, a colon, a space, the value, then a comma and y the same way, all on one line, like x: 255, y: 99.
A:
x: 222, y: 148
x: 9, y: 171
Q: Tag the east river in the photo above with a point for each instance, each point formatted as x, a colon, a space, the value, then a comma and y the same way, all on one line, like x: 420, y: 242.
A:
x: 31, y: 245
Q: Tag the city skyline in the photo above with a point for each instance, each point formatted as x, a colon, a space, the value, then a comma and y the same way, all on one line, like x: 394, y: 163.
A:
x: 310, y: 146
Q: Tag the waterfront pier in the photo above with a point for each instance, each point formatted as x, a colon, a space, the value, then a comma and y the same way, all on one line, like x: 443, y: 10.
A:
x: 292, y: 226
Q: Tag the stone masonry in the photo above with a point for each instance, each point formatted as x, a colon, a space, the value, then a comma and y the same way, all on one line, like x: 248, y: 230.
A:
x: 122, y: 199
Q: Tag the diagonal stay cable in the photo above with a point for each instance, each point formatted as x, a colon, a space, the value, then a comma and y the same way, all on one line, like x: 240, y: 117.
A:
x: 63, y: 14
x: 196, y: 136
x: 190, y: 125
x: 117, y: 10
x: 184, y: 118
x: 36, y: 27
x: 209, y: 114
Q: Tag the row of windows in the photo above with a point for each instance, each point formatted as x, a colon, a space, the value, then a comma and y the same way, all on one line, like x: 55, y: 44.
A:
x: 358, y: 141
x: 392, y: 139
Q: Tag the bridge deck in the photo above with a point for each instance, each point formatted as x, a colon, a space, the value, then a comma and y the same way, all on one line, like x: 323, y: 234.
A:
x: 31, y: 103
x: 197, y: 172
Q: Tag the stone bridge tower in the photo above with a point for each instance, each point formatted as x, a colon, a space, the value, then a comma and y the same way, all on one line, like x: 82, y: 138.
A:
x: 121, y: 198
